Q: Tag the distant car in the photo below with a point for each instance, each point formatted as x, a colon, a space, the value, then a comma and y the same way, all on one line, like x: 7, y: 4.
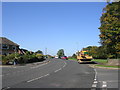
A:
x: 56, y: 56
x: 64, y: 57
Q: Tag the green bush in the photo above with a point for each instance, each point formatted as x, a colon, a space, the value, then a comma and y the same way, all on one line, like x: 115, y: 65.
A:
x: 22, y: 59
x: 10, y: 57
x: 39, y: 56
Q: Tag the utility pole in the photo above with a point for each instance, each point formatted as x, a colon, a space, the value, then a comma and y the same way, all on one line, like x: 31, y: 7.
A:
x: 77, y: 50
x: 46, y: 52
x: 77, y: 45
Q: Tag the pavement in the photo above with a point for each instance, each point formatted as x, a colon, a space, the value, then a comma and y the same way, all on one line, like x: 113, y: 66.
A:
x: 59, y: 73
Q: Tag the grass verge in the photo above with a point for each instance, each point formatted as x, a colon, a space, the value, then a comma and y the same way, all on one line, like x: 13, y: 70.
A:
x: 100, y: 60
x: 72, y: 59
x: 108, y: 66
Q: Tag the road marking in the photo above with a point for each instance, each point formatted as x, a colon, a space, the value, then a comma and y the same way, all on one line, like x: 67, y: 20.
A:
x: 65, y: 64
x: 61, y: 68
x: 94, y: 85
x: 104, y: 84
x: 95, y: 79
x: 38, y: 66
x: 34, y: 79
x: 38, y: 78
x: 5, y: 88
x: 57, y: 70
x: 46, y: 75
x: 95, y: 82
x: 95, y: 73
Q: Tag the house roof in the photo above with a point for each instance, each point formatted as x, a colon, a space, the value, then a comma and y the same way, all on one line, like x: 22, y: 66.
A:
x: 4, y: 40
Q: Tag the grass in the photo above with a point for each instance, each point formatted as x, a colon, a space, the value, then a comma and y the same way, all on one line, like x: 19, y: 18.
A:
x: 72, y: 59
x: 103, y: 62
x: 108, y: 66
x: 100, y: 60
x: 96, y: 60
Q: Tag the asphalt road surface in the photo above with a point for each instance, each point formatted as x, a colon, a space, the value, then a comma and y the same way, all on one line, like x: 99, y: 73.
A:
x: 58, y: 74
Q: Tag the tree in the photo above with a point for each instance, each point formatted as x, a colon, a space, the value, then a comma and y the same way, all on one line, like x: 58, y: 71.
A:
x: 60, y: 53
x: 74, y: 56
x: 39, y: 52
x: 96, y: 52
x: 110, y: 29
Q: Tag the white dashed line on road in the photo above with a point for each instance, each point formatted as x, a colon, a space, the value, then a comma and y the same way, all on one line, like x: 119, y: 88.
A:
x: 38, y: 66
x: 57, y: 70
x: 60, y: 68
x: 37, y: 78
x: 46, y: 75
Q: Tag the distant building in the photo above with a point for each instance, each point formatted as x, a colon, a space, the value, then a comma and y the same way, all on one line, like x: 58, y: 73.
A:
x: 22, y: 51
x: 7, y: 46
x: 56, y: 56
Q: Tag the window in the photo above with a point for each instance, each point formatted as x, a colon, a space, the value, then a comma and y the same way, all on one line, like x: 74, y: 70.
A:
x: 4, y: 46
x: 14, y: 47
x: 0, y: 46
x: 0, y: 53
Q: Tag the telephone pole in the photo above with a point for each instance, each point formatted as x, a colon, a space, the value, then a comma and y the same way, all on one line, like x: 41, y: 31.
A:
x: 46, y: 52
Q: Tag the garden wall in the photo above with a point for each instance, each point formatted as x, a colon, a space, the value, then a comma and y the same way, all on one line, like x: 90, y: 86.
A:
x: 114, y: 62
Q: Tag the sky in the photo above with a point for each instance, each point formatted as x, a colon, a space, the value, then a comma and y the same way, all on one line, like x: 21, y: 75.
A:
x: 52, y: 25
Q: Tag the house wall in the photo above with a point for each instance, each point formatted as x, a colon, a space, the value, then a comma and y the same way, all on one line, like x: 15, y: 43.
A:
x: 9, y: 50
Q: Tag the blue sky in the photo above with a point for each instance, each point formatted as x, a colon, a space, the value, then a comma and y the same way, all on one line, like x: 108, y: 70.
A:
x: 61, y: 25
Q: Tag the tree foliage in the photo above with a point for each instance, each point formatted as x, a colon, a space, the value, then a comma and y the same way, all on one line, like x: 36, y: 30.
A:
x: 74, y: 56
x: 39, y: 52
x: 96, y: 52
x: 110, y: 29
x: 60, y: 53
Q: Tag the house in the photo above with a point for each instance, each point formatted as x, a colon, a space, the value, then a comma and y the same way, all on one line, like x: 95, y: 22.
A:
x: 22, y: 51
x: 7, y: 46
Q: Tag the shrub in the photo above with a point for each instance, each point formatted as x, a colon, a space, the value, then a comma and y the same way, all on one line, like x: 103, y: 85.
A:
x: 39, y: 56
x: 10, y: 57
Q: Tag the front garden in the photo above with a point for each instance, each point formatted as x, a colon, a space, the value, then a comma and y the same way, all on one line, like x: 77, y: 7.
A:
x: 17, y: 58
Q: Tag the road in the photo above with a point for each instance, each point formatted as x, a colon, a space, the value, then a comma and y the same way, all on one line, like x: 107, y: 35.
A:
x: 59, y: 74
